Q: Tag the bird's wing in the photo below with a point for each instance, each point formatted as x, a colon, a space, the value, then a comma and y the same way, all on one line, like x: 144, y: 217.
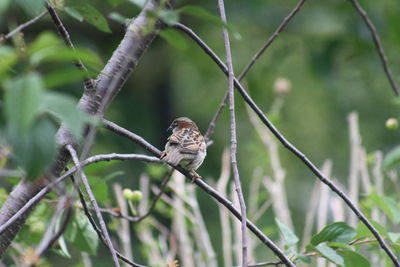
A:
x: 191, y: 141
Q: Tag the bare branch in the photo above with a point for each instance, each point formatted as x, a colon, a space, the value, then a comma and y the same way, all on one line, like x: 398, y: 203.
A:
x: 98, y: 231
x: 125, y: 58
x: 22, y: 27
x: 36, y: 198
x: 249, y: 65
x: 62, y: 31
x: 291, y: 147
x: 49, y: 238
x: 235, y: 170
x: 94, y: 203
x: 378, y: 46
x: 264, y: 47
x: 205, y: 187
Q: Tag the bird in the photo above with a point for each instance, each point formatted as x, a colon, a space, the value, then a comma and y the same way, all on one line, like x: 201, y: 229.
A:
x: 185, y: 146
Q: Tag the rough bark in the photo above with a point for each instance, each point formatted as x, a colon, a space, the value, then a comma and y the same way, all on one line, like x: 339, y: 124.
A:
x: 109, y: 82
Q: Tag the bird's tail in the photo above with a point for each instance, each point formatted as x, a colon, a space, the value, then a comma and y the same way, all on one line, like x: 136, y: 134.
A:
x: 173, y: 157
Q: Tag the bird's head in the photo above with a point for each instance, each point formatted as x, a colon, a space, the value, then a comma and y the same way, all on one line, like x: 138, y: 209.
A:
x: 180, y: 123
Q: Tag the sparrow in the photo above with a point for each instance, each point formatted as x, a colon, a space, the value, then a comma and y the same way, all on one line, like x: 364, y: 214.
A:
x: 186, y: 146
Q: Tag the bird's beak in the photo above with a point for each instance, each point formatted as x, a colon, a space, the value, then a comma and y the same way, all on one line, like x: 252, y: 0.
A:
x: 170, y: 128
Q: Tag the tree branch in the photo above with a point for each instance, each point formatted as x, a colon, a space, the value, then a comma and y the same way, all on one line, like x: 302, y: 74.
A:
x: 22, y: 27
x: 378, y: 46
x: 95, y: 205
x: 250, y: 64
x: 98, y: 231
x: 238, y: 187
x: 120, y: 65
x: 291, y: 147
x: 62, y: 31
x: 204, y: 186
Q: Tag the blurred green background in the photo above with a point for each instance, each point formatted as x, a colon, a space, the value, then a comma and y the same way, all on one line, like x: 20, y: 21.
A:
x: 326, y: 52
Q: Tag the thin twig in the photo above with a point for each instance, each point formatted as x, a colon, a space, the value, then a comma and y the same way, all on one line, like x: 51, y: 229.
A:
x: 289, y: 145
x: 205, y: 187
x: 98, y: 231
x: 106, y: 157
x: 226, y: 227
x: 266, y: 263
x: 264, y: 47
x: 153, y: 204
x: 378, y: 46
x: 123, y: 228
x: 235, y: 170
x: 48, y: 241
x: 22, y: 27
x: 93, y: 200
x: 249, y: 65
x: 62, y: 31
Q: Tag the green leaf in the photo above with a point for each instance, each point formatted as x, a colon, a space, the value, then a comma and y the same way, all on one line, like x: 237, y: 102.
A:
x: 353, y: 259
x: 328, y: 253
x: 139, y: 3
x: 64, y: 108
x: 65, y: 54
x: 85, y: 237
x: 22, y: 101
x: 34, y: 150
x: 363, y: 231
x: 174, y: 38
x: 8, y: 57
x: 63, y: 76
x: 387, y: 205
x: 118, y: 17
x: 171, y: 17
x: 74, y: 13
x: 32, y: 7
x: 288, y: 235
x: 93, y: 16
x: 302, y: 258
x: 338, y: 232
x: 392, y: 158
x: 44, y: 40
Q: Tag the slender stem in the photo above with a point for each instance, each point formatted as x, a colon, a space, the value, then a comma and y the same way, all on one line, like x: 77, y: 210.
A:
x: 235, y: 170
x: 62, y: 31
x: 98, y: 231
x: 46, y: 189
x: 378, y: 46
x: 48, y: 242
x: 22, y: 27
x: 264, y: 47
x: 290, y: 146
x: 92, y: 198
x: 205, y: 187
x: 249, y: 65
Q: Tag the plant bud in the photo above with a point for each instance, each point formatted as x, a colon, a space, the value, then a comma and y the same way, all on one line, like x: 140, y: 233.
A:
x: 392, y: 124
x: 282, y: 86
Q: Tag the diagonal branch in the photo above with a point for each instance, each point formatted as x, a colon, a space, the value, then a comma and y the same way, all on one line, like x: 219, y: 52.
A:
x: 378, y: 46
x: 238, y: 187
x: 62, y: 31
x: 93, y: 200
x: 139, y: 34
x: 97, y: 229
x: 291, y: 147
x: 22, y: 27
x: 249, y: 65
x: 205, y: 187
x: 264, y: 47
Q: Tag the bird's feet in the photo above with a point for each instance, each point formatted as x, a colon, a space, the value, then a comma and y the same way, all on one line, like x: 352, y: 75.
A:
x: 163, y: 154
x: 195, y: 176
